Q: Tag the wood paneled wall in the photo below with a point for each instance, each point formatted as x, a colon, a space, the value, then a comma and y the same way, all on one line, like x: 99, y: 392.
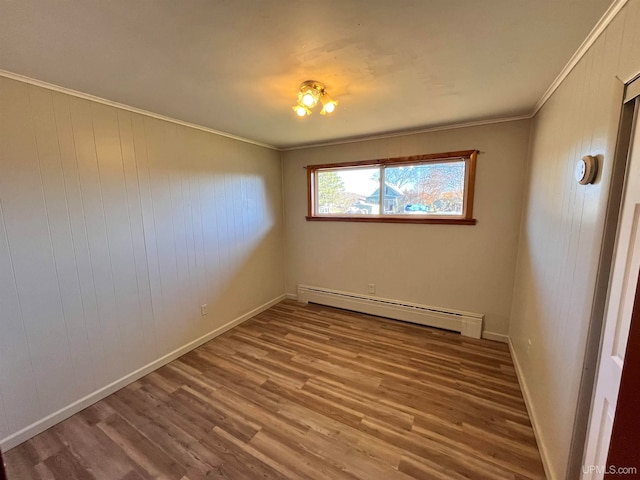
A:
x: 114, y: 229
x: 562, y: 231
x: 460, y: 267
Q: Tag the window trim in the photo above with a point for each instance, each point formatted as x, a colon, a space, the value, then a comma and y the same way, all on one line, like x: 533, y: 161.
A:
x: 468, y: 156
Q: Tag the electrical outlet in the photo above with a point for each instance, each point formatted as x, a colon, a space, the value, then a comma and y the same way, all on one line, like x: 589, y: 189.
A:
x: 372, y: 288
x: 204, y: 309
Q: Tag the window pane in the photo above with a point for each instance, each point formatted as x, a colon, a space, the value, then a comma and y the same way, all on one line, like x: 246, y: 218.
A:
x: 427, y: 189
x: 348, y: 191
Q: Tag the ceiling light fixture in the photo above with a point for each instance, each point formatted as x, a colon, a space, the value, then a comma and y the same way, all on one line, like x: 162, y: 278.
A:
x: 309, y: 94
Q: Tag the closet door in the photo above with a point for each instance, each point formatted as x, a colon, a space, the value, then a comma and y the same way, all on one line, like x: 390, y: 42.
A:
x: 620, y: 304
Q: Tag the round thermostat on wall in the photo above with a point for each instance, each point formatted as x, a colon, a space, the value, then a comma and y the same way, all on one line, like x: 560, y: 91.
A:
x: 586, y: 169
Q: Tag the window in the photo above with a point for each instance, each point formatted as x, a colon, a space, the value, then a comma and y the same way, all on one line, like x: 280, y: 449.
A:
x: 433, y: 188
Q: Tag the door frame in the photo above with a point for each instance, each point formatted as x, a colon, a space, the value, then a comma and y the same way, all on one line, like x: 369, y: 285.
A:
x: 586, y: 392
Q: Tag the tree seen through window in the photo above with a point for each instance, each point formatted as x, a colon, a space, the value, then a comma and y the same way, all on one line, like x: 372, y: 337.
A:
x: 426, y: 188
x: 435, y: 188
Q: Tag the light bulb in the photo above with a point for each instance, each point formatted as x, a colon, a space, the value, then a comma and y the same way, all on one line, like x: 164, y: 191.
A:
x: 308, y: 99
x: 309, y: 95
x: 328, y: 104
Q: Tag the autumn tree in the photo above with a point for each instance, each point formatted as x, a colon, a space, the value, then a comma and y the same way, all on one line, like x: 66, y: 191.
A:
x: 330, y: 188
x: 398, y: 176
x: 443, y: 182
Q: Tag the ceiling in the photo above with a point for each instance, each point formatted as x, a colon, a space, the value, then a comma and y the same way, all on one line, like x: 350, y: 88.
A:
x: 235, y: 65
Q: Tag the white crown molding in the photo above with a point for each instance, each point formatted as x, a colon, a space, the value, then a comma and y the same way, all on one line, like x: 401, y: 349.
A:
x: 600, y: 27
x: 410, y: 132
x: 104, y: 101
x: 597, y: 30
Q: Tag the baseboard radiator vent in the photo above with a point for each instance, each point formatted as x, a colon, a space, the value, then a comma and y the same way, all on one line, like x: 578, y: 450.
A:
x: 468, y: 324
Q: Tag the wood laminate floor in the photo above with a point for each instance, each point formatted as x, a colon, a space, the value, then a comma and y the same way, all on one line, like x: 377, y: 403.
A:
x: 304, y: 392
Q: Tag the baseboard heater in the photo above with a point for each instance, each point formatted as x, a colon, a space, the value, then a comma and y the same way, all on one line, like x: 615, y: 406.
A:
x: 468, y: 324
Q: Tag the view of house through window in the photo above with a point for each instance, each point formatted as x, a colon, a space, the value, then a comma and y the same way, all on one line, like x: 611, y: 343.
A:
x: 348, y: 191
x: 419, y: 189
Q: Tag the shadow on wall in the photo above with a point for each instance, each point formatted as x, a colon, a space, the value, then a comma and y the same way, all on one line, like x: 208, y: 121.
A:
x: 228, y: 259
x: 114, y: 229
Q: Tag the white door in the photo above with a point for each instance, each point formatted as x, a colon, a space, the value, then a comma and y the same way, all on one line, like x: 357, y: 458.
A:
x: 622, y: 289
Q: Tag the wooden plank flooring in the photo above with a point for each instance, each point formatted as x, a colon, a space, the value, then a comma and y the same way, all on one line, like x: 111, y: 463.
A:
x: 304, y: 392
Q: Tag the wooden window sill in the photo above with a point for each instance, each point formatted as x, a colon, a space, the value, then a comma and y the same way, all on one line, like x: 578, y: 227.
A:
x: 390, y: 219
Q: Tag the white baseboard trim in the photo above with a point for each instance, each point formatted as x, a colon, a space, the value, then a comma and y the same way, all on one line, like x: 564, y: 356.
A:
x: 531, y: 411
x: 496, y: 337
x: 468, y: 324
x: 41, y: 425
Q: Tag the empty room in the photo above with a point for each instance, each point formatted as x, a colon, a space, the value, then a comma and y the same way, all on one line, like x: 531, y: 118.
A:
x: 339, y: 240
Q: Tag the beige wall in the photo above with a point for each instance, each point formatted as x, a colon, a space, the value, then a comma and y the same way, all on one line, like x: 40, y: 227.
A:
x: 561, y: 235
x: 462, y: 267
x: 114, y: 229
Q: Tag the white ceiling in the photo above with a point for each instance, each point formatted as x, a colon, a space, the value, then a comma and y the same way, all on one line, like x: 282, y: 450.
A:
x: 235, y: 65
